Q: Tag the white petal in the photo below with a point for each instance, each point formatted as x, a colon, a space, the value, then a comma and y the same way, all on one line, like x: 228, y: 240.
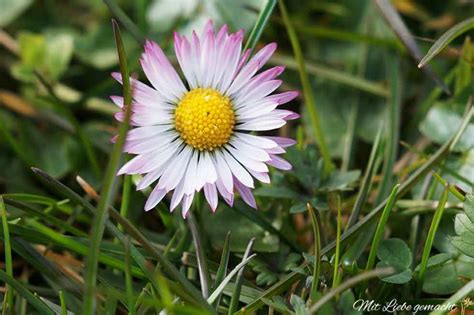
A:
x: 187, y: 201
x: 155, y: 197
x: 238, y: 170
x: 223, y: 171
x: 250, y: 150
x: 176, y: 170
x: 261, y: 124
x: 256, y: 141
x: 247, y: 162
x: 210, y: 192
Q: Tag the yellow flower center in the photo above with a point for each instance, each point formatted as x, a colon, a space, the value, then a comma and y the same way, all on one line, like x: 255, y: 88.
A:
x: 205, y: 119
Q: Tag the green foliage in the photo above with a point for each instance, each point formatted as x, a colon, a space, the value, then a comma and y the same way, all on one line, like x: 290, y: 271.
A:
x: 365, y: 107
x: 464, y: 227
x: 395, y: 253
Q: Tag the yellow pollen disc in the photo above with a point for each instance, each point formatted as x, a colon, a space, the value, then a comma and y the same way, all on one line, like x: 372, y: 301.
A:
x: 205, y: 119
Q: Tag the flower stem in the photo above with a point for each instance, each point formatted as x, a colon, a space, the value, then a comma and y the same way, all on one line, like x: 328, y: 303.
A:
x: 201, y: 257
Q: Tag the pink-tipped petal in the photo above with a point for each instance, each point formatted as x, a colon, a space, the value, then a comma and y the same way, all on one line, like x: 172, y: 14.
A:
x: 279, y: 163
x: 284, y: 97
x: 186, y: 204
x: 282, y: 141
x: 210, y: 192
x: 155, y: 197
x: 246, y: 194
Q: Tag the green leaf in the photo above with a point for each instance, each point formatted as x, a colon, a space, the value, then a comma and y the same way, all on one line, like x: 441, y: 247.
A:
x: 402, y: 274
x: 339, y: 180
x: 11, y: 9
x: 441, y: 123
x: 469, y: 206
x: 447, y: 277
x: 463, y: 224
x: 60, y: 46
x: 243, y: 229
x: 464, y: 227
x: 447, y: 38
x: 298, y: 305
x: 395, y: 252
x: 346, y: 304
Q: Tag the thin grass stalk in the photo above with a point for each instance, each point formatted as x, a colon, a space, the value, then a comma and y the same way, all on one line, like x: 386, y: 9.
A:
x: 452, y: 189
x: 393, y: 122
x: 260, y: 24
x: 381, y: 227
x: 338, y: 242
x: 366, y: 181
x: 234, y: 301
x: 32, y: 299
x: 222, y: 270
x: 430, y: 238
x: 123, y: 18
x: 109, y: 185
x: 307, y: 90
x: 129, y: 281
x: 218, y: 291
x: 201, y: 256
x: 62, y: 301
x: 8, y: 257
x: 317, y: 251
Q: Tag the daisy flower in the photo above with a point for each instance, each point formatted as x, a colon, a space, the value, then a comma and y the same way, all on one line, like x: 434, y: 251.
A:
x: 196, y: 135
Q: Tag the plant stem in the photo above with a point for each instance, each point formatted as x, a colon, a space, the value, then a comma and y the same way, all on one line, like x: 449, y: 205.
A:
x: 8, y: 256
x: 307, y: 90
x: 430, y: 238
x: 201, y: 257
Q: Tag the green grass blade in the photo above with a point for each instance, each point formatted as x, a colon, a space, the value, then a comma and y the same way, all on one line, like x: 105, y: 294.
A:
x: 126, y: 190
x: 123, y: 18
x: 430, y: 237
x: 260, y: 24
x: 32, y: 299
x: 337, y: 253
x: 62, y: 300
x: 366, y: 181
x: 317, y: 251
x: 33, y: 212
x: 8, y: 255
x: 307, y: 90
x: 381, y: 227
x: 393, y: 127
x: 398, y: 26
x: 338, y: 76
x: 129, y: 281
x: 109, y: 184
x: 348, y: 284
x: 218, y: 291
x: 201, y: 258
x: 234, y: 301
x: 447, y: 38
x: 222, y: 270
